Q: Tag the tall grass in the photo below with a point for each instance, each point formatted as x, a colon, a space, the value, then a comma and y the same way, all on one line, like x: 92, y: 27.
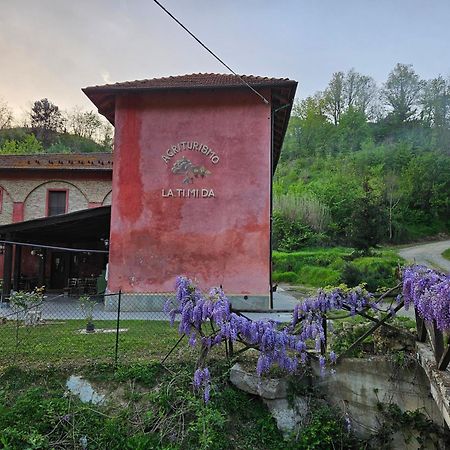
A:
x: 305, y: 209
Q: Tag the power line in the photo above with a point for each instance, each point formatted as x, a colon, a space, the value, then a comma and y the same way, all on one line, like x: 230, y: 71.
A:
x: 54, y: 247
x: 211, y: 52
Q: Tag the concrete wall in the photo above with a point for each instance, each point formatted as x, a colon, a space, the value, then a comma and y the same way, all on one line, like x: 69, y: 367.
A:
x: 356, y: 388
x: 219, y: 240
x: 359, y: 384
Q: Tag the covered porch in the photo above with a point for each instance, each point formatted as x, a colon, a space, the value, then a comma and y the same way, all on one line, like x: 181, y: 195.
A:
x: 65, y: 253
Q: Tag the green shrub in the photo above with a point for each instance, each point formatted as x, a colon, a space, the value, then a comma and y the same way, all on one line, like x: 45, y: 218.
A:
x: 325, y: 430
x: 286, y: 277
x: 318, y: 276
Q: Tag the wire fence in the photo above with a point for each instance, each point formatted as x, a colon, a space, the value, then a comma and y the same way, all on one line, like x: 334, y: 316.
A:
x: 109, y: 328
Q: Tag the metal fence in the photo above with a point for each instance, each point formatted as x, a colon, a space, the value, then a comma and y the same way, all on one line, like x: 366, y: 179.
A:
x: 107, y: 329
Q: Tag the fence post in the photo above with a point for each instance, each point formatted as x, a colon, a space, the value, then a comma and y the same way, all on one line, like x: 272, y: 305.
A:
x: 116, y: 353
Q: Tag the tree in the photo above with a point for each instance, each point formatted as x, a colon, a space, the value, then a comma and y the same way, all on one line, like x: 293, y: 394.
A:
x: 86, y: 124
x: 402, y: 92
x: 359, y: 92
x: 334, y: 97
x: 46, y: 119
x: 315, y: 133
x: 393, y: 196
x: 106, y: 138
x: 365, y: 220
x: 6, y: 115
x: 435, y: 102
x: 352, y: 130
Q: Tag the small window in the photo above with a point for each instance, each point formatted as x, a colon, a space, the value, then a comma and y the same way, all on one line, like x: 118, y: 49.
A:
x: 57, y: 203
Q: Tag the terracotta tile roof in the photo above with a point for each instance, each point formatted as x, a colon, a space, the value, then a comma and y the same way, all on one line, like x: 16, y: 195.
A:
x: 63, y: 161
x: 281, y: 99
x: 195, y: 81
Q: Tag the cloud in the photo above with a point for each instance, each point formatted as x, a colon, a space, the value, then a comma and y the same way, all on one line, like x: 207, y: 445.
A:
x: 106, y: 77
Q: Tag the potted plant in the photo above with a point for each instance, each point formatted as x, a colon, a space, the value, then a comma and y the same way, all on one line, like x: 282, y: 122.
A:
x: 87, y: 307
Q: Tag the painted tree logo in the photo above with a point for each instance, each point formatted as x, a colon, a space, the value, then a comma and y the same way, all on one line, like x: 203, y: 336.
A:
x: 190, y: 171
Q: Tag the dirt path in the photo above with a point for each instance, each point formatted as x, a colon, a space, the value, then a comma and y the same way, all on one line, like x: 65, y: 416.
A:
x: 428, y: 255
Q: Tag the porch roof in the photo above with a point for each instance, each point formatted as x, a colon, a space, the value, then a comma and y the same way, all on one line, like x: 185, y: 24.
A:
x: 76, y: 229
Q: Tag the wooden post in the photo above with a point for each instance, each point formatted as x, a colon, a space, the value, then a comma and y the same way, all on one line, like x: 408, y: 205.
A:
x: 7, y: 270
x: 438, y: 343
x: 421, y: 328
x: 17, y: 266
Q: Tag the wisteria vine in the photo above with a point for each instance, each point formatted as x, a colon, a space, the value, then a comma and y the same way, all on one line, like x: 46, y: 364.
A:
x: 429, y: 292
x: 290, y: 346
x: 285, y: 346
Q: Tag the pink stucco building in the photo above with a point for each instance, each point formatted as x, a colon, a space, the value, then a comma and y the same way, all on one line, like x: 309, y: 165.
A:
x: 193, y: 163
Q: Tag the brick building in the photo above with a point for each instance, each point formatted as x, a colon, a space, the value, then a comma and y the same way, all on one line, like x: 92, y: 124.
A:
x: 44, y: 185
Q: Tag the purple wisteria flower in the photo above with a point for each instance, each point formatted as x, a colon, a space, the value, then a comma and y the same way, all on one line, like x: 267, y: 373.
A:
x: 284, y: 346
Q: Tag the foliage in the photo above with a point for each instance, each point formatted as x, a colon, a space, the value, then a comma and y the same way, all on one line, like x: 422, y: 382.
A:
x: 23, y: 300
x: 446, y: 254
x: 331, y: 266
x: 385, y: 341
x: 46, y: 119
x: 52, y: 131
x: 84, y: 123
x: 28, y: 145
x: 410, y: 423
x: 402, y: 91
x: 377, y: 272
x: 284, y: 346
x: 36, y: 413
x: 325, y: 430
x: 388, y: 164
x: 291, y: 235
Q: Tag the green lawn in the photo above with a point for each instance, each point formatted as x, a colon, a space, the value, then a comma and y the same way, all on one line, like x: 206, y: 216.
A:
x: 61, y: 343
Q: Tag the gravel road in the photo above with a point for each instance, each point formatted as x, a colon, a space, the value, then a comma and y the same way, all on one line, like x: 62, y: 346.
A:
x: 428, y: 255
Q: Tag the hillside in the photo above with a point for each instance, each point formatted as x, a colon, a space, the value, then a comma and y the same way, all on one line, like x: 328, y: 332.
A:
x: 352, y: 176
x: 20, y: 140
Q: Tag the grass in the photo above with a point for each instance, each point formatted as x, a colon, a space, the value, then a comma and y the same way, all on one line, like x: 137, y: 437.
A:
x: 331, y: 266
x: 446, y: 254
x: 148, y: 407
x: 61, y: 343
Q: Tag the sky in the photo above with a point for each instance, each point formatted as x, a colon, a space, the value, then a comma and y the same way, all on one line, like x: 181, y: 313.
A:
x: 53, y: 48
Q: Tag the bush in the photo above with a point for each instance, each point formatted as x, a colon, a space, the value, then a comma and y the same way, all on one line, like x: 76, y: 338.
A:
x: 377, y: 272
x: 287, y: 277
x: 318, y: 276
x: 290, y: 236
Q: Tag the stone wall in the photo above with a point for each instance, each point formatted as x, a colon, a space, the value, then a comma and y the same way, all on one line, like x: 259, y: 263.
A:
x: 108, y: 199
x: 7, y: 207
x: 36, y: 202
x: 32, y: 191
